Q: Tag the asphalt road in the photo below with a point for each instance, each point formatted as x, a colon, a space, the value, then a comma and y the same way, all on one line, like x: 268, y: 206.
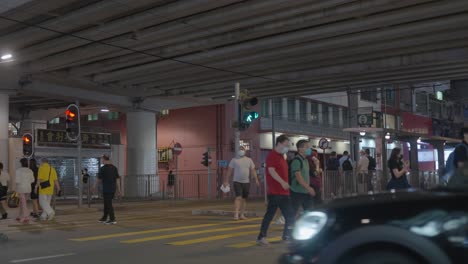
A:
x: 144, y: 234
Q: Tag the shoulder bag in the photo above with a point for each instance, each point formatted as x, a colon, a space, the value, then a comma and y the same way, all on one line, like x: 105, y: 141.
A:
x: 46, y: 184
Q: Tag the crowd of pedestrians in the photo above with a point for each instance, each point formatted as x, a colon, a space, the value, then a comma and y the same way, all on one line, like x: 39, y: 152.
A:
x: 41, y: 184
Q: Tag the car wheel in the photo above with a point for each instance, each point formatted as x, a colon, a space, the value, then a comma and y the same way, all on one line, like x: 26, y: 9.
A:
x: 381, y: 257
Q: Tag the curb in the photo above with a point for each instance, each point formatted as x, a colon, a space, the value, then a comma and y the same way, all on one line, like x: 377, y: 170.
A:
x: 224, y: 213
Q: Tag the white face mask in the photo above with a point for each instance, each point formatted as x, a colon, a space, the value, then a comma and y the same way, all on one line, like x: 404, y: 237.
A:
x: 285, y: 150
x: 241, y: 153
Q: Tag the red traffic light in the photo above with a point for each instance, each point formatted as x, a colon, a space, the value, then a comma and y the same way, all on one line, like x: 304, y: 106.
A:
x: 26, y: 139
x: 70, y: 115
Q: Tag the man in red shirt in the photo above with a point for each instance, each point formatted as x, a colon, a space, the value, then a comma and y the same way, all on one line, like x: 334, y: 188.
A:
x: 277, y: 189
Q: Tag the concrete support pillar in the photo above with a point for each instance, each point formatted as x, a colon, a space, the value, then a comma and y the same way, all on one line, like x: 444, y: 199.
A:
x: 4, y: 121
x: 142, y: 161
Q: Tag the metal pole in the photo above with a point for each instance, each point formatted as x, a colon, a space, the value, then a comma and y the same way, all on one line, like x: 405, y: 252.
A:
x: 78, y: 163
x: 210, y: 180
x: 237, y: 118
x: 273, y: 144
x: 176, y: 176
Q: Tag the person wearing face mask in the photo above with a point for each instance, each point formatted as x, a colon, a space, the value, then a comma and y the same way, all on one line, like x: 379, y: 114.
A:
x: 398, y: 170
x: 301, y: 192
x: 277, y: 190
x: 242, y: 168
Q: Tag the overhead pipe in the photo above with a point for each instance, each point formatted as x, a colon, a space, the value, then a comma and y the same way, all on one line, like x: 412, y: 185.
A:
x: 400, y: 17
x: 124, y: 25
x: 443, y: 55
x: 438, y: 75
x: 324, y: 85
x: 401, y: 33
x: 317, y: 62
x: 68, y: 22
x: 218, y: 21
x: 374, y: 85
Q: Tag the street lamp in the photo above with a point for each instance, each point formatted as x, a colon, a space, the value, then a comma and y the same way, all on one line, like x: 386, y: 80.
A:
x: 362, y: 133
x: 387, y: 136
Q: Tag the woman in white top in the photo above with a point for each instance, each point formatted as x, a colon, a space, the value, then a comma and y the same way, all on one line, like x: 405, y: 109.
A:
x: 4, y: 180
x: 24, y: 179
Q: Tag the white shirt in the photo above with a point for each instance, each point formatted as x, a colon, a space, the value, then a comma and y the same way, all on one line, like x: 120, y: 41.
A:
x: 242, y: 167
x: 363, y: 164
x: 24, y: 179
x: 4, y: 178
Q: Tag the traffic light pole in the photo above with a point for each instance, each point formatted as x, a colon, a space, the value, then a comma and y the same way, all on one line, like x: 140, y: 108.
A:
x: 237, y: 118
x: 78, y: 163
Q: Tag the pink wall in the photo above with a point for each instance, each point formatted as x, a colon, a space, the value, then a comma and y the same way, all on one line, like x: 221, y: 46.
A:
x: 195, y: 129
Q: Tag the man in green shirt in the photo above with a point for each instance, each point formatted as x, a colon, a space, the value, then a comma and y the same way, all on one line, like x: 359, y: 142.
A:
x: 301, y: 192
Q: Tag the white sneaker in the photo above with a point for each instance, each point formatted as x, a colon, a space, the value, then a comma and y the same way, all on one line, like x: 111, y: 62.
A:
x: 263, y: 242
x: 51, y: 217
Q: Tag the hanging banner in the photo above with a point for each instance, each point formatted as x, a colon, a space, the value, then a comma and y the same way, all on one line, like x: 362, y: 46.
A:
x: 57, y: 138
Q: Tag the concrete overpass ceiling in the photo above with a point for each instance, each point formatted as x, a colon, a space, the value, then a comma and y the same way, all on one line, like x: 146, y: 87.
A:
x: 183, y: 53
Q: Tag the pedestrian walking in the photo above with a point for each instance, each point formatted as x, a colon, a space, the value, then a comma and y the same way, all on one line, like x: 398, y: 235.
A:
x: 347, y: 168
x: 242, y: 168
x: 4, y: 182
x: 371, y: 170
x: 109, y: 178
x: 362, y: 171
x: 47, y: 185
x: 301, y: 192
x: 278, y: 190
x: 24, y: 177
x: 398, y: 170
x: 34, y: 194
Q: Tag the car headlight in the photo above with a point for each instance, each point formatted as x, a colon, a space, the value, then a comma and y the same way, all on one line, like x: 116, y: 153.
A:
x: 309, y: 225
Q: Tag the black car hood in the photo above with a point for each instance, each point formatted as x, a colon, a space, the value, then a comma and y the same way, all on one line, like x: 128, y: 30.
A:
x: 396, y: 197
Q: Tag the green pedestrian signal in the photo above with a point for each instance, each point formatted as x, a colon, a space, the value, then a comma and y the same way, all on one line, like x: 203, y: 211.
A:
x: 249, y: 117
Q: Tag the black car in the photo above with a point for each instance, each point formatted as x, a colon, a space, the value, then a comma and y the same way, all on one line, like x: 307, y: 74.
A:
x: 408, y: 227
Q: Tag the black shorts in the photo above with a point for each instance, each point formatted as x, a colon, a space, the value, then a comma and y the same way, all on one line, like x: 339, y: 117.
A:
x: 241, y: 189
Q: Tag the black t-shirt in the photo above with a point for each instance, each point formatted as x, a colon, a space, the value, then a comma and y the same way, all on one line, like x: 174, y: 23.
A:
x: 461, y: 154
x: 108, y: 174
x: 372, y: 163
x: 394, y: 164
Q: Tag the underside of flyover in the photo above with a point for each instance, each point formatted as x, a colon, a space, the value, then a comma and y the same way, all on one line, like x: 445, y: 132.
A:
x: 160, y: 54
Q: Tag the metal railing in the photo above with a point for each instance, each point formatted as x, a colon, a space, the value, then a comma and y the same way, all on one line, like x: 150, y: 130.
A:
x: 194, y: 185
x: 351, y: 183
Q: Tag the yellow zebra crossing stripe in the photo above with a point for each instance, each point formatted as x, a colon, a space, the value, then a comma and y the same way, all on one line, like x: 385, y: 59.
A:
x: 254, y: 243
x: 146, y: 239
x: 152, y: 231
x: 212, y: 238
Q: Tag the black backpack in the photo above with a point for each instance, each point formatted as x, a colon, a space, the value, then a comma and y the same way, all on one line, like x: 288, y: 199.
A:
x: 347, y: 165
x: 372, y: 164
x: 291, y: 175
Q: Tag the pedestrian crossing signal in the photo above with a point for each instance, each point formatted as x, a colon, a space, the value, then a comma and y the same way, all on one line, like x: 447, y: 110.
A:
x: 206, y: 160
x: 28, y: 146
